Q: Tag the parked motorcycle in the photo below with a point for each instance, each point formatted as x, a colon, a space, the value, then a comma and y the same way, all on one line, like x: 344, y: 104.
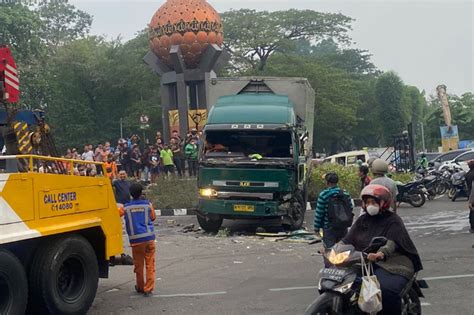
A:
x: 339, y: 285
x: 458, y: 186
x: 436, y: 182
x: 412, y: 193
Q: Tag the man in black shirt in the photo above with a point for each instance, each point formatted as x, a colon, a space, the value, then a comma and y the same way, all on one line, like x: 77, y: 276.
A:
x: 122, y: 188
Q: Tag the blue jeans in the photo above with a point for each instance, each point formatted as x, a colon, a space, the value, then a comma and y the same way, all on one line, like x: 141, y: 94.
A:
x: 391, y: 285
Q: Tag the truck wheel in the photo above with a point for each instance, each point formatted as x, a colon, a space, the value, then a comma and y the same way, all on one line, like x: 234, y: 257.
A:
x: 295, y: 217
x: 64, y: 276
x: 209, y: 224
x: 13, y: 285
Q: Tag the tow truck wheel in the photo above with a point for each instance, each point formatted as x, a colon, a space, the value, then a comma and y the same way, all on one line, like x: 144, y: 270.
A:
x: 208, y: 223
x: 64, y: 276
x: 13, y: 285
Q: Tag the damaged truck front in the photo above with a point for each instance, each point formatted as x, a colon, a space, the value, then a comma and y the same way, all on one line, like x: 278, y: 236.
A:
x: 255, y: 152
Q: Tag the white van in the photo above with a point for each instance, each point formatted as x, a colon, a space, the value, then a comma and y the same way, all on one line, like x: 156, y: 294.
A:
x: 348, y: 158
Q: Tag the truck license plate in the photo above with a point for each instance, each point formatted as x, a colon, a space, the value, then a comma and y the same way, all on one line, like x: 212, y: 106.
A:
x: 244, y: 208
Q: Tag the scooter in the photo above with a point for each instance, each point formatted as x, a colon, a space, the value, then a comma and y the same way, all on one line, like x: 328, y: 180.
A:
x: 458, y: 186
x: 412, y: 193
x: 339, y: 284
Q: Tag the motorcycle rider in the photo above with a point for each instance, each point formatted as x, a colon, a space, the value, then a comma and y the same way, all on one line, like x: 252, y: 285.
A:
x: 423, y: 161
x: 397, y: 261
x: 470, y: 176
x: 469, y: 181
x: 380, y: 169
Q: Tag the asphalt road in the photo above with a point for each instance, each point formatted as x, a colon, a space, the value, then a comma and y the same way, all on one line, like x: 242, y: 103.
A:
x: 243, y: 274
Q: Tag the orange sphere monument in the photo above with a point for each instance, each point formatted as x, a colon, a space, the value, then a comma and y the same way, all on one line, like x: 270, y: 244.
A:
x: 186, y: 38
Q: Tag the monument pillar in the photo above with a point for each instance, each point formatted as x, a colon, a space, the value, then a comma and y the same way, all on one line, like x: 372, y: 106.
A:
x: 185, y: 37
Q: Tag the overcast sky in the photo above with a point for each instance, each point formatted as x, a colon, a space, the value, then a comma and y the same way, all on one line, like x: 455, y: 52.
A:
x: 426, y: 42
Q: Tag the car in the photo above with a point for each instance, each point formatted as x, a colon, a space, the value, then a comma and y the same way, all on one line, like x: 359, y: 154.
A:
x: 348, y: 158
x: 443, y: 160
x: 455, y: 159
x: 463, y: 159
x: 429, y: 155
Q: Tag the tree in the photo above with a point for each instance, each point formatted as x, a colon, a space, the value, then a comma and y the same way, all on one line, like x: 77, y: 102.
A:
x: 389, y: 94
x: 253, y: 36
x: 336, y: 100
x: 62, y: 23
x: 20, y: 30
x: 462, y: 112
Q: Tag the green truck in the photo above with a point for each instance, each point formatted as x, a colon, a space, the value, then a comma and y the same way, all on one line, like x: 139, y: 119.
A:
x: 255, y: 153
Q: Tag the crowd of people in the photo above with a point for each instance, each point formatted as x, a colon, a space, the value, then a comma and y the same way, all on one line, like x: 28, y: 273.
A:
x: 142, y: 161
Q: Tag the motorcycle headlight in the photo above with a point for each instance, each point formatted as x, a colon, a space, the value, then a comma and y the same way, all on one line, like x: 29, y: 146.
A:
x: 207, y: 192
x: 338, y: 258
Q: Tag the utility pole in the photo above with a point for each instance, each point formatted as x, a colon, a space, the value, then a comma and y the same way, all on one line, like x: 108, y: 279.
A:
x: 422, y: 137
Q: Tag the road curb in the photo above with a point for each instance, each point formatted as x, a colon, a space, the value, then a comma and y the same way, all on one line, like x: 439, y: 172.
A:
x: 183, y: 212
x: 175, y: 212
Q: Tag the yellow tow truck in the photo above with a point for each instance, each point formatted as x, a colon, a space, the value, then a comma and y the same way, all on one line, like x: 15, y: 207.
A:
x: 57, y: 234
x: 58, y: 230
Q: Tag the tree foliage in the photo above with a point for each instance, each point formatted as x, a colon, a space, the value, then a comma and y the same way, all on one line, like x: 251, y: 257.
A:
x: 389, y: 94
x: 253, y: 36
x: 62, y: 23
x: 87, y: 85
x: 462, y: 112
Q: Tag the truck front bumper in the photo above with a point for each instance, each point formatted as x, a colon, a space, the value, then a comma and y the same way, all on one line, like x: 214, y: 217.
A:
x: 235, y: 208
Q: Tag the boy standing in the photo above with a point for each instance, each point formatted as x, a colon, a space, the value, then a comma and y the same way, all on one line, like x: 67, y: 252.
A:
x: 166, y: 156
x: 139, y: 216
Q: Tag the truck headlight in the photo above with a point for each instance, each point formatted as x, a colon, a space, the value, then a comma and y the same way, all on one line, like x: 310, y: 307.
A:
x: 339, y: 258
x: 207, y: 192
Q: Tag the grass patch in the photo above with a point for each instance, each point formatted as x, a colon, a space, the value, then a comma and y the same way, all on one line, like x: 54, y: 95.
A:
x: 174, y: 194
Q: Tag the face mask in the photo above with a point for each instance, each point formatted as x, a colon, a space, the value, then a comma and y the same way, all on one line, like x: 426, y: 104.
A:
x: 373, y: 210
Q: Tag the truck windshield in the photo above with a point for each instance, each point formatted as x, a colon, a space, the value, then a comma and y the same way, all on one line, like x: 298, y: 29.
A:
x: 245, y: 144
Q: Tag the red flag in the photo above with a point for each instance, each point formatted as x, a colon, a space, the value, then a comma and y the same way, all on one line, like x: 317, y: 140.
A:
x: 9, y: 76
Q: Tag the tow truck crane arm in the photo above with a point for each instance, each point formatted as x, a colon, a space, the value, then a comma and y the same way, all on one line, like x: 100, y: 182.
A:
x: 24, y: 131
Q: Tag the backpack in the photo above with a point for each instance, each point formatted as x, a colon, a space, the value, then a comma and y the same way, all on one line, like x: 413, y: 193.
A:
x: 340, y: 211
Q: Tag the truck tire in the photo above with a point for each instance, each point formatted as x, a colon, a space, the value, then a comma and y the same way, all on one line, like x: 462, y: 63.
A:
x: 209, y: 224
x: 13, y: 285
x: 64, y: 276
x: 296, y: 217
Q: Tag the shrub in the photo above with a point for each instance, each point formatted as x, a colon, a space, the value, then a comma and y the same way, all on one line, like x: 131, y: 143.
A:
x: 174, y: 194
x: 348, y: 179
x: 183, y: 193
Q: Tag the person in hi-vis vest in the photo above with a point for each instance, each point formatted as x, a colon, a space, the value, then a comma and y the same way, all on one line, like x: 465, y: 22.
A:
x: 139, y: 216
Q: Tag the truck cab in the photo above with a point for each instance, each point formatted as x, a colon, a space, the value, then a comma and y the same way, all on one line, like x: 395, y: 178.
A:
x: 254, y: 161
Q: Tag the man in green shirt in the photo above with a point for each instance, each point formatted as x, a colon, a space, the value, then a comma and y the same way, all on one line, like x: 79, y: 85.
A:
x: 166, y: 156
x: 191, y: 151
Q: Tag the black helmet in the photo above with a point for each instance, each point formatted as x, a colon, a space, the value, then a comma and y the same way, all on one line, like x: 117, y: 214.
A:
x: 331, y: 177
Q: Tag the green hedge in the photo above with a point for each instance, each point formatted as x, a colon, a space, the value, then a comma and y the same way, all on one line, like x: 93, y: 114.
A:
x: 182, y: 193
x: 348, y: 179
x: 173, y: 194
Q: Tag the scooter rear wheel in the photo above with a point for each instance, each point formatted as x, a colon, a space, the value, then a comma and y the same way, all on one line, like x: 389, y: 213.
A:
x: 411, y: 303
